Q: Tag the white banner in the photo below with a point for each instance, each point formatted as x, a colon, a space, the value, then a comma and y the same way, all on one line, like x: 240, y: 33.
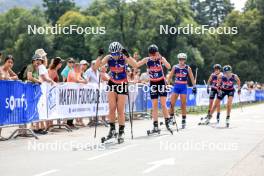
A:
x: 71, y: 100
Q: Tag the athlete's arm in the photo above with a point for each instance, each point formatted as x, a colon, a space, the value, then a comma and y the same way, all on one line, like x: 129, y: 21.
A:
x: 131, y: 61
x: 238, y: 82
x: 165, y: 62
x: 171, y: 74
x: 100, y: 62
x: 209, y: 81
x: 219, y: 81
x: 191, y: 76
x: 142, y: 62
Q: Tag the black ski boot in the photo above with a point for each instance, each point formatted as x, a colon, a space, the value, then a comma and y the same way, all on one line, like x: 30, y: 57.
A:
x: 121, y: 134
x: 155, y: 129
x: 183, y: 122
x: 218, y: 117
x: 168, y: 123
x: 227, y: 121
x: 112, y: 133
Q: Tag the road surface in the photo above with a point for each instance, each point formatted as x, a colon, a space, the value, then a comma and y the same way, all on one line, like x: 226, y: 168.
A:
x: 196, y: 151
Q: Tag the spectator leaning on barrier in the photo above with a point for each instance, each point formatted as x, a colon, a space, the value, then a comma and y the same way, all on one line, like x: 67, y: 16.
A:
x: 75, y: 76
x: 144, y: 78
x: 54, y: 67
x: 6, y: 72
x: 84, y: 66
x: 31, y: 73
x: 92, y: 75
x: 67, y: 69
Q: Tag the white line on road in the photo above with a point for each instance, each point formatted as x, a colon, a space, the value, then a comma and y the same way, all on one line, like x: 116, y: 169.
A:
x: 157, y: 164
x: 112, y: 152
x: 47, y: 172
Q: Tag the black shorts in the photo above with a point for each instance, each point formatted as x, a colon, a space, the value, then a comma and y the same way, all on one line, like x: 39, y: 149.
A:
x: 158, y: 89
x: 213, y: 94
x: 118, y: 88
x: 221, y: 95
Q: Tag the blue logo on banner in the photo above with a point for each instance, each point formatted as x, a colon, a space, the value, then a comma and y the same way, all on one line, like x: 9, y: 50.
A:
x: 18, y: 102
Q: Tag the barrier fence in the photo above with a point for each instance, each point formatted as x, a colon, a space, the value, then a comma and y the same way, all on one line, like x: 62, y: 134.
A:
x: 23, y: 103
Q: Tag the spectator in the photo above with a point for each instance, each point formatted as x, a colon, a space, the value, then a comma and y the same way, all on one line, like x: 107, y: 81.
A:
x: 92, y: 74
x: 144, y: 78
x: 136, y: 56
x: 43, y: 73
x: 54, y: 67
x: 84, y: 66
x: 6, y: 73
x: 104, y: 76
x: 31, y: 73
x: 67, y: 69
x: 0, y: 57
x: 75, y: 76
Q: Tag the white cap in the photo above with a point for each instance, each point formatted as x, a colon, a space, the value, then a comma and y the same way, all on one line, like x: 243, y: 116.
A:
x: 83, y: 62
x: 41, y: 52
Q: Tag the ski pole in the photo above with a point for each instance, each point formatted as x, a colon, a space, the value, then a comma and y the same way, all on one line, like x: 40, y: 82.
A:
x: 97, y: 106
x: 130, y: 117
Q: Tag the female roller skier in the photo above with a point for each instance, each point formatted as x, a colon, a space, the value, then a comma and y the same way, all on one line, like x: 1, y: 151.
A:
x: 181, y: 71
x: 158, y: 88
x: 225, y: 86
x: 117, y: 61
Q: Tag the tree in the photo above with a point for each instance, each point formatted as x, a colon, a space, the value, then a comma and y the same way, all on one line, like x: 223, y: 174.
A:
x: 56, y: 8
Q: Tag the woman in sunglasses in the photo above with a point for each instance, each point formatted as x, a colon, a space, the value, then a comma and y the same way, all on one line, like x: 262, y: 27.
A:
x: 158, y: 86
x: 181, y: 71
x: 117, y: 61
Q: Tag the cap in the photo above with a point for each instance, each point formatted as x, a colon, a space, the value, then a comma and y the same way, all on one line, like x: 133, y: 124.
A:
x: 41, y: 52
x: 70, y: 60
x: 37, y: 57
x: 83, y: 62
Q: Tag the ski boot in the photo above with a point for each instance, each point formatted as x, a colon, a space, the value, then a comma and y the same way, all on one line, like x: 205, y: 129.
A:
x: 183, y: 122
x: 155, y: 129
x: 168, y: 123
x: 218, y: 118
x: 227, y: 122
x: 121, y: 134
x: 112, y: 134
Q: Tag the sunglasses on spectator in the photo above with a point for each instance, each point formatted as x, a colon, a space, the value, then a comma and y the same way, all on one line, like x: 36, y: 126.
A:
x: 71, y: 62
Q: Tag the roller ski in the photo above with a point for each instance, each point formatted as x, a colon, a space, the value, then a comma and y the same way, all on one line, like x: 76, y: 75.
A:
x: 205, y: 120
x: 172, y: 122
x: 227, y: 122
x: 121, y: 138
x: 154, y: 131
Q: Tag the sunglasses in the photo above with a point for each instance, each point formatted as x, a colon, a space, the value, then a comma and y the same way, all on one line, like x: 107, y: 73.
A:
x: 181, y: 59
x: 115, y: 54
x: 71, y: 62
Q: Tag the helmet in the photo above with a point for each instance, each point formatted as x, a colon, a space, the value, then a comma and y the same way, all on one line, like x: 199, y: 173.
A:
x: 227, y: 68
x: 182, y: 56
x: 153, y: 49
x: 115, y: 47
x: 217, y: 66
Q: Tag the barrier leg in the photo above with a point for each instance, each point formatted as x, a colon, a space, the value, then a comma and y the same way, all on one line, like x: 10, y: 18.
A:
x: 59, y: 125
x: 23, y: 132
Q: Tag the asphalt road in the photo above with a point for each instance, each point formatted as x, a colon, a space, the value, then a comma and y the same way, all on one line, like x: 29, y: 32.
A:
x: 195, y: 151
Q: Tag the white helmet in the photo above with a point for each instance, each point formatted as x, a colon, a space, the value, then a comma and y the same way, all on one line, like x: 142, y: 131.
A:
x: 115, y: 47
x: 182, y: 56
